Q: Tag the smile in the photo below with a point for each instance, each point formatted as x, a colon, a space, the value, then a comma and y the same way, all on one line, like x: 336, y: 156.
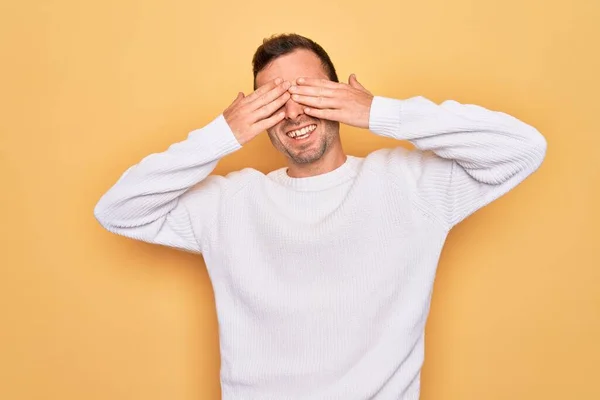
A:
x: 302, y: 133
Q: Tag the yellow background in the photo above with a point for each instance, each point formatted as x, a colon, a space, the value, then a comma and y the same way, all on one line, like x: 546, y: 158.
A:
x: 88, y: 88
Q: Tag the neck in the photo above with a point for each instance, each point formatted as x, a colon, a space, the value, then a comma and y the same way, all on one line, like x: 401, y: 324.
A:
x: 327, y: 163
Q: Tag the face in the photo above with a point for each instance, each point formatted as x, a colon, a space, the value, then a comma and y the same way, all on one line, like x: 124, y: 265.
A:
x: 303, y: 139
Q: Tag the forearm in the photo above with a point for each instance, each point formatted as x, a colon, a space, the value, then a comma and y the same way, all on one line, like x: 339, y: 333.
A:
x: 477, y: 155
x: 150, y: 189
x: 490, y: 146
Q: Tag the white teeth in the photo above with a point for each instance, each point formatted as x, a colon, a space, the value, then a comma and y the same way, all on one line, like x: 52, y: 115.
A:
x: 302, y: 133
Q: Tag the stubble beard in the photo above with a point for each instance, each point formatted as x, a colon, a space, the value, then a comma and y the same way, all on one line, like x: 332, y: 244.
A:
x: 329, y: 131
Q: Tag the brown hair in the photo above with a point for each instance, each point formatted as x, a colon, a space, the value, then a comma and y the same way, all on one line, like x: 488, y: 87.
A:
x: 279, y: 45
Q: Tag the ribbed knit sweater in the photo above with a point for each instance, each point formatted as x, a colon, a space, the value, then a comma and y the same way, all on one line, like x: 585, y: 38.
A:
x: 323, y: 284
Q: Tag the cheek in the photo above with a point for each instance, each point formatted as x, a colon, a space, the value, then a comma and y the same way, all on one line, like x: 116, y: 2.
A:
x: 274, y: 134
x: 331, y: 127
x: 275, y: 130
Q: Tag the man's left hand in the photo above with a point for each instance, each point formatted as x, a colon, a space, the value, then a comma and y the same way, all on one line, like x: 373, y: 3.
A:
x: 349, y: 103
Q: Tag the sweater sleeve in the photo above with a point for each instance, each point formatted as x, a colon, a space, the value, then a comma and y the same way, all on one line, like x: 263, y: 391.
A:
x: 169, y: 197
x: 466, y: 156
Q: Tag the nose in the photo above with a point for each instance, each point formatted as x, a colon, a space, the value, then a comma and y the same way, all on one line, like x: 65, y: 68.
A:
x: 293, y: 110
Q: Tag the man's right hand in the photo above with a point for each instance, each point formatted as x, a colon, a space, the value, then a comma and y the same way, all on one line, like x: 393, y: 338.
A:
x: 250, y: 115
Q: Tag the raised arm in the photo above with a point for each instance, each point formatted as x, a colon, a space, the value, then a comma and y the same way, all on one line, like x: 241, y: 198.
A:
x: 466, y: 155
x: 168, y: 198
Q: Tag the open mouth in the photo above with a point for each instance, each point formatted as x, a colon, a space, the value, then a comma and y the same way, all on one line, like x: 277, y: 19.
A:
x: 302, y: 133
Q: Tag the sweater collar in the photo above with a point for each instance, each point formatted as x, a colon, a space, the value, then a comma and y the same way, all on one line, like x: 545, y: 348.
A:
x: 345, y: 172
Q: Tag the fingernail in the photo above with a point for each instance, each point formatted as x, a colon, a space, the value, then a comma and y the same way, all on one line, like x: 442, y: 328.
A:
x: 300, y: 80
x: 307, y: 110
x: 287, y: 84
x: 278, y: 81
x: 293, y: 88
x: 295, y: 96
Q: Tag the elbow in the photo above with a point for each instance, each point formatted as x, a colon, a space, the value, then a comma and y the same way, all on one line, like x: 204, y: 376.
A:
x: 102, y: 216
x: 536, y: 149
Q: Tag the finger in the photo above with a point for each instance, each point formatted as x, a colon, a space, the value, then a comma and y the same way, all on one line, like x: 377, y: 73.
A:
x: 319, y: 82
x: 313, y: 91
x: 356, y: 84
x: 270, y: 96
x: 316, y: 102
x: 328, y: 114
x: 239, y: 97
x: 352, y: 81
x: 263, y: 89
x: 269, y: 108
x: 270, y: 122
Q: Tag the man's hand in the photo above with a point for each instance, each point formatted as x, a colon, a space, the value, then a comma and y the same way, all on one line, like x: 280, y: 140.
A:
x: 349, y: 103
x: 250, y: 115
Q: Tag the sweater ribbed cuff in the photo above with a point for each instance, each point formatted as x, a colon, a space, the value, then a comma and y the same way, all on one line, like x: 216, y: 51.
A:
x: 384, y: 118
x: 216, y: 138
x: 389, y: 117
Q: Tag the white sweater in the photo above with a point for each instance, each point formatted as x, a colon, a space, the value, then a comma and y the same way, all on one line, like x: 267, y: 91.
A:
x: 323, y: 284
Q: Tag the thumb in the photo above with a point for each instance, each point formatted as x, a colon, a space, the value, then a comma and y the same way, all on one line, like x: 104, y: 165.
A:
x: 239, y: 97
x: 354, y: 82
x: 234, y: 103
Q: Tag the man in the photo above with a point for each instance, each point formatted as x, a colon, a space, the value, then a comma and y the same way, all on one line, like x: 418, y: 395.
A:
x: 322, y: 270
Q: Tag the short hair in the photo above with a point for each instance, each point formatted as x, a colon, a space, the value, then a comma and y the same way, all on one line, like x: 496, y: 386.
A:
x: 279, y: 45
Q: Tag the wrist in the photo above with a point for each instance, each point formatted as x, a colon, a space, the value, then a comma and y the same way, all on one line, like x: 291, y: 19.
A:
x: 384, y: 116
